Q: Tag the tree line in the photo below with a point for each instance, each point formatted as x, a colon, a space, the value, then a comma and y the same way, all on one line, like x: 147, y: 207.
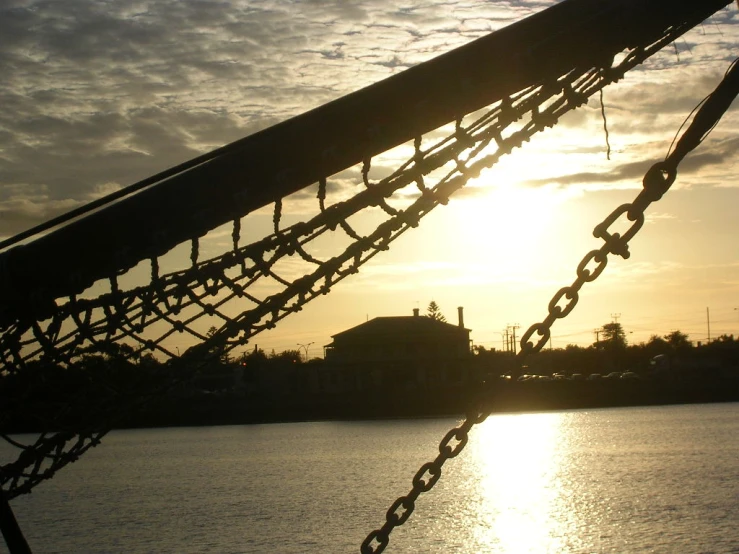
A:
x: 612, y: 352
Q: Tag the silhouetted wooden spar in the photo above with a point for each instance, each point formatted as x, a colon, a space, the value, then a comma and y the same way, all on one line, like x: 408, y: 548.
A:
x: 193, y: 198
x: 538, y: 68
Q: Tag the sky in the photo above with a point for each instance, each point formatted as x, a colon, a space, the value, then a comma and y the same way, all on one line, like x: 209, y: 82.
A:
x: 98, y: 95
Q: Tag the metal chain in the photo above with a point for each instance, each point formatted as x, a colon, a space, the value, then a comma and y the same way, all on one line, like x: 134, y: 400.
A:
x: 656, y: 182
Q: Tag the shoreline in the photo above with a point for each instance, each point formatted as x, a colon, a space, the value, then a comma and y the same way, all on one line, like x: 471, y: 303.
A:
x: 231, y: 407
x: 234, y: 409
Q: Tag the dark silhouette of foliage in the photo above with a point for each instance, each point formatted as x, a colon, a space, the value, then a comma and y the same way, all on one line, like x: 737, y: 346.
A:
x: 254, y: 359
x: 678, y: 341
x: 262, y: 386
x: 613, y: 336
x: 219, y: 350
x: 434, y: 312
x: 287, y: 356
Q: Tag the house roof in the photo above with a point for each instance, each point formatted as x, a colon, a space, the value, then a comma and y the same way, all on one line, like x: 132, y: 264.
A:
x: 401, y: 326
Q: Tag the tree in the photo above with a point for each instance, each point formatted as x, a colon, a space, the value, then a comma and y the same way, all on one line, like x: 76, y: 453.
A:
x: 678, y: 341
x: 434, y: 312
x: 217, y: 350
x: 613, y: 335
x: 286, y: 357
x: 655, y: 346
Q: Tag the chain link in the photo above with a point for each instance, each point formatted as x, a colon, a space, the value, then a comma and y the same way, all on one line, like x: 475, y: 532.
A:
x: 424, y: 479
x: 656, y: 182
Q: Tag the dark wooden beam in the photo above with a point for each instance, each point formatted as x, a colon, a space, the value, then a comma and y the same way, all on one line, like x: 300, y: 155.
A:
x: 273, y: 163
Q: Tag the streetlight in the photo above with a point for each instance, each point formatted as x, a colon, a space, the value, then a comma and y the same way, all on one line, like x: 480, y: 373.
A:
x: 305, y: 346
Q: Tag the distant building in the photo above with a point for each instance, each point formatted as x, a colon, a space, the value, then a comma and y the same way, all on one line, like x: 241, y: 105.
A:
x: 403, y: 351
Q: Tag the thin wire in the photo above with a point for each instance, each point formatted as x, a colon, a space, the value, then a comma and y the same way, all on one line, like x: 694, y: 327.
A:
x: 687, y: 118
x: 697, y: 107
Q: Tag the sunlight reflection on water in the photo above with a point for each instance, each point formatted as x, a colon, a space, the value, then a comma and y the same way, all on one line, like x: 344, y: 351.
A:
x: 518, y: 494
x: 659, y: 480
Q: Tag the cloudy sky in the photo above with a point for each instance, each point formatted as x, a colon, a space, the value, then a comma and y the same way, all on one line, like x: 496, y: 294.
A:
x: 97, y: 95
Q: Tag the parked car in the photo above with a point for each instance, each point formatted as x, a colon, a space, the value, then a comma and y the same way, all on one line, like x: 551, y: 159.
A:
x: 660, y: 363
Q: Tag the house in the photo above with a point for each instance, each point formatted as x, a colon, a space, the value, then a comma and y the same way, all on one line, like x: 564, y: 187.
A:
x: 411, y: 352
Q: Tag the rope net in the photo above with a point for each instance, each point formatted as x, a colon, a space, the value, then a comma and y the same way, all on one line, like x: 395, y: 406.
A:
x: 75, y: 362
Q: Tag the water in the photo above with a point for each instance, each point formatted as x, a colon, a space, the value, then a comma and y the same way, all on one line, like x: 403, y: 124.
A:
x: 657, y: 479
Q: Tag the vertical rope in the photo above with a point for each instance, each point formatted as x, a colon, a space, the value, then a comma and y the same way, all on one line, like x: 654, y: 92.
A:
x: 366, y: 165
x: 322, y: 193
x: 277, y: 215
x: 154, y: 270
x: 194, y: 252
x: 417, y: 159
x: 605, y: 125
x: 236, y: 233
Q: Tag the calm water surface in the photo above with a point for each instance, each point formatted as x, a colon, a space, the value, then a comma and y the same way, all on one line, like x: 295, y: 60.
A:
x: 661, y: 479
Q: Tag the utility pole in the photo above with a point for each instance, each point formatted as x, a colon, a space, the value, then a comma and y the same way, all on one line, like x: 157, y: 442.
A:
x: 597, y: 334
x: 615, y: 317
x: 513, y: 339
x: 708, y: 323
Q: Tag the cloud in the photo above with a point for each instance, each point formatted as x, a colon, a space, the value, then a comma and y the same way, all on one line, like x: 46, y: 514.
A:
x: 22, y: 212
x: 714, y: 153
x: 104, y: 94
x: 654, y: 217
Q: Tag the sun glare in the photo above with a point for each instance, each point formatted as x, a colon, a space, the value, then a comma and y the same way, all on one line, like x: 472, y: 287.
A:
x: 509, y: 209
x: 503, y: 225
x: 517, y: 457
